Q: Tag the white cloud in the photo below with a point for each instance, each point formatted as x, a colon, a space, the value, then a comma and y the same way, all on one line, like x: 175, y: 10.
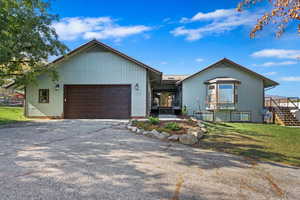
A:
x: 164, y: 63
x: 220, y: 21
x: 199, y: 60
x: 277, y: 53
x: 219, y: 13
x: 272, y: 64
x: 291, y: 78
x: 98, y: 27
x: 270, y: 73
x: 167, y: 19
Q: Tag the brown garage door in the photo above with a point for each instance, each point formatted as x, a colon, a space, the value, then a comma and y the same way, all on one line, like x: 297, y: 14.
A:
x: 97, y: 101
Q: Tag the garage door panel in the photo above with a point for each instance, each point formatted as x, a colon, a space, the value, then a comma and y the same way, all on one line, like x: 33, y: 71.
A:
x: 98, y: 101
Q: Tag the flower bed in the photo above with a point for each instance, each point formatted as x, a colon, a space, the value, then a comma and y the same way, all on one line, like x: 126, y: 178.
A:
x: 166, y: 126
x: 188, y: 131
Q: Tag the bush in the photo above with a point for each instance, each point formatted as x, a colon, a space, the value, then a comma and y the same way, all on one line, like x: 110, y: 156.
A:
x: 184, y: 111
x: 173, y: 126
x: 153, y: 120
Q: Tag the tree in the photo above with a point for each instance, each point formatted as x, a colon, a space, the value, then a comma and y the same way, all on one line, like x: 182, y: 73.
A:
x: 281, y: 13
x: 27, y: 40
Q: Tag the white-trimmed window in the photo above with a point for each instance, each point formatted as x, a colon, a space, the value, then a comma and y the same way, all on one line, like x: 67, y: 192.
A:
x: 225, y: 93
x: 241, y: 116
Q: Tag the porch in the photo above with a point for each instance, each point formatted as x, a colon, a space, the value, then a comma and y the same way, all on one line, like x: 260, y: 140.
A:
x: 166, y: 97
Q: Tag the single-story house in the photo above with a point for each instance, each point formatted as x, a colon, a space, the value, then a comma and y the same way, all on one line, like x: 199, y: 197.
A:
x: 97, y: 81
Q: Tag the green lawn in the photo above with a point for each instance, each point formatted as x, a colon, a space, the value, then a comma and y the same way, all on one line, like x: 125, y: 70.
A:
x: 256, y: 141
x: 11, y: 114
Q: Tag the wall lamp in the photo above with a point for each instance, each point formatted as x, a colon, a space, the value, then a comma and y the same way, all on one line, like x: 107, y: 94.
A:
x: 57, y: 86
x: 136, y: 86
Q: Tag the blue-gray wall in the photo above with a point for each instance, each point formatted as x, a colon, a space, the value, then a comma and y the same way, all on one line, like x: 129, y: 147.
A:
x: 92, y: 66
x: 250, y: 91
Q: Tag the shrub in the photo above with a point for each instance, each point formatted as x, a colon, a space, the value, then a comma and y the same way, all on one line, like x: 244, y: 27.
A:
x: 184, y: 111
x: 173, y: 126
x: 153, y: 120
x: 134, y: 122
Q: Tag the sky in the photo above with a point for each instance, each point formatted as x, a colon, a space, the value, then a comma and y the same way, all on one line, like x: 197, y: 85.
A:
x: 184, y: 36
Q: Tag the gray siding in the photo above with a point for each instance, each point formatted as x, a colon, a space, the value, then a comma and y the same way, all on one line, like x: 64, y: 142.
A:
x: 250, y: 92
x: 93, y: 66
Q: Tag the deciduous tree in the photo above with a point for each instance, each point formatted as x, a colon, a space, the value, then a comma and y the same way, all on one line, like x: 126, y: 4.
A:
x: 27, y: 40
x: 281, y: 13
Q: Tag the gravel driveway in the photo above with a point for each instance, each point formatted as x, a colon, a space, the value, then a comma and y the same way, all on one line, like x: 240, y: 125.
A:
x: 92, y: 159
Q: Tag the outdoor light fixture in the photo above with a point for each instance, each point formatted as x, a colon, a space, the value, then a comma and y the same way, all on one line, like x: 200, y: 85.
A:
x: 136, y: 86
x: 57, y: 87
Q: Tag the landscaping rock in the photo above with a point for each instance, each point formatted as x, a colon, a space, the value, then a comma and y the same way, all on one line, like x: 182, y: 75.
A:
x: 129, y: 127
x: 204, y: 130
x: 138, y: 131
x: 173, y: 138
x: 188, y: 139
x: 158, y: 135
x: 133, y: 129
x: 193, y: 119
x: 154, y: 132
x: 147, y: 133
x: 196, y: 132
x: 163, y: 135
x: 200, y: 135
x: 142, y: 131
x: 200, y: 124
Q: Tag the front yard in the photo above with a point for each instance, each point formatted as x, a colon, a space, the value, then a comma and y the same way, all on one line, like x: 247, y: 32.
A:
x: 256, y: 141
x: 11, y: 114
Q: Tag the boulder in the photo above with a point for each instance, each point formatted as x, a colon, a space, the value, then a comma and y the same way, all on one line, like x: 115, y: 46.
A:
x: 147, y: 133
x: 200, y: 135
x: 165, y: 134
x: 158, y: 135
x: 134, y: 129
x: 129, y: 127
x: 154, y: 132
x: 204, y: 130
x: 138, y: 131
x: 200, y: 124
x: 193, y: 131
x: 196, y: 132
x: 173, y: 138
x: 188, y: 139
x: 162, y: 135
x: 193, y: 119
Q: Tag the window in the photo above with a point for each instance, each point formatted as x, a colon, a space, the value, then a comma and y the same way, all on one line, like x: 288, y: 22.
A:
x: 226, y: 93
x: 241, y: 116
x: 43, y: 95
x: 211, y: 94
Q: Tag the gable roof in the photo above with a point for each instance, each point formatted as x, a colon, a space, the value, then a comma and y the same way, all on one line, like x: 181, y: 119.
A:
x: 97, y: 43
x: 267, y: 82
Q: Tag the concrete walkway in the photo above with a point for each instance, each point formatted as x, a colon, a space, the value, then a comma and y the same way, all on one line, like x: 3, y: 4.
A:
x: 94, y: 159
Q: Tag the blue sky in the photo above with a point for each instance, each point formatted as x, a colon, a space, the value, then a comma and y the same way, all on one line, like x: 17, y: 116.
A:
x: 183, y: 36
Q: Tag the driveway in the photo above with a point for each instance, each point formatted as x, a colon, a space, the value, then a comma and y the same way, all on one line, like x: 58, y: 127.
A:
x: 92, y: 159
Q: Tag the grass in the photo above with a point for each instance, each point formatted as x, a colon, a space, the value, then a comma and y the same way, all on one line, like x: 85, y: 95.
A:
x: 256, y: 141
x: 11, y: 115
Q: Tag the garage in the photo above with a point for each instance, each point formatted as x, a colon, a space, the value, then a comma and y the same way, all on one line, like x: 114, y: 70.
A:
x: 97, y: 101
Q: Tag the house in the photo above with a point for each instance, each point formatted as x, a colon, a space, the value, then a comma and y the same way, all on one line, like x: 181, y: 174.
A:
x: 11, y: 96
x: 97, y: 81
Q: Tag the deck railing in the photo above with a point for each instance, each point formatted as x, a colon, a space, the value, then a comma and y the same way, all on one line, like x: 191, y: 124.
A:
x: 288, y: 102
